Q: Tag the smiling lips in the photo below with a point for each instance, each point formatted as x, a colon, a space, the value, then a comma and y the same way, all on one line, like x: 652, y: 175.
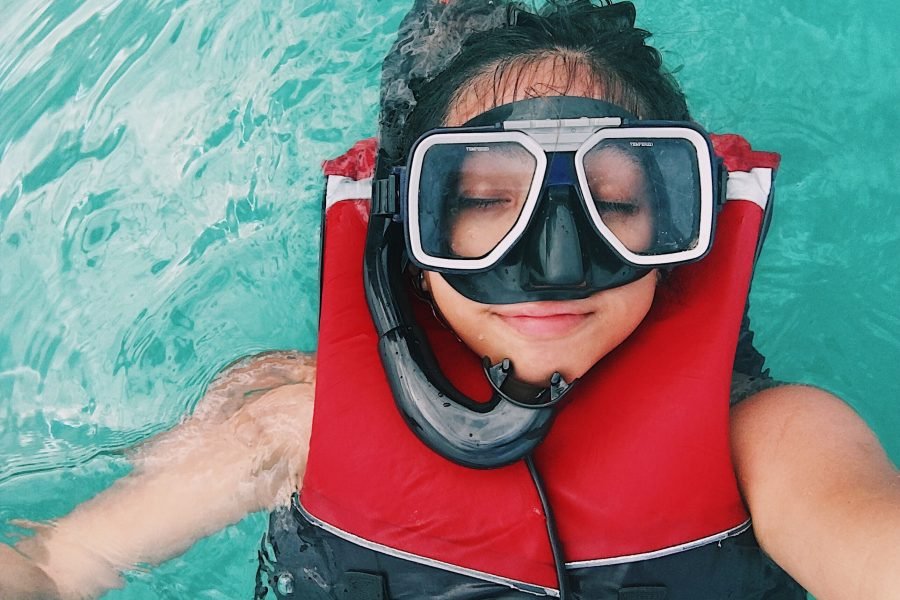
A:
x: 542, y: 320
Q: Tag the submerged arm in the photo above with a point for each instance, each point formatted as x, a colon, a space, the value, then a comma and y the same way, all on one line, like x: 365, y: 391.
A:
x: 243, y: 450
x: 824, y: 496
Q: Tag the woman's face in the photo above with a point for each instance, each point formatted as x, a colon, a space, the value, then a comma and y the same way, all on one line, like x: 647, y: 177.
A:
x: 543, y: 337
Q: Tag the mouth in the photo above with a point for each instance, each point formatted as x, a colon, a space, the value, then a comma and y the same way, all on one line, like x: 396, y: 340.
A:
x: 543, y: 320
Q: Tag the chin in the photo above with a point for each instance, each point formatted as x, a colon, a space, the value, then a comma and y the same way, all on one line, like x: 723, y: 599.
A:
x: 539, y: 372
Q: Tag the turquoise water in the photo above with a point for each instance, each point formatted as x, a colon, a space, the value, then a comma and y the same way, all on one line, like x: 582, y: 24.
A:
x: 159, y: 212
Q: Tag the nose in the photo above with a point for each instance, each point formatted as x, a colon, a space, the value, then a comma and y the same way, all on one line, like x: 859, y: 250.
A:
x: 555, y: 254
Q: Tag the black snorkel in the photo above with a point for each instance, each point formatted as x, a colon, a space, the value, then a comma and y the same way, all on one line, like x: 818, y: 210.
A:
x: 469, y: 433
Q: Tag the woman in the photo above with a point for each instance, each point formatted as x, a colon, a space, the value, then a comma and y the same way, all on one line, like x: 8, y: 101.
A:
x: 833, y: 529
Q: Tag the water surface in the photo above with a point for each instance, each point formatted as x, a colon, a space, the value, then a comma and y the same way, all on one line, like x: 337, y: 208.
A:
x: 160, y: 206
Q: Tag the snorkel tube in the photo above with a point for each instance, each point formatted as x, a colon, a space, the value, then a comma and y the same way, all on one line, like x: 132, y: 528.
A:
x: 469, y: 433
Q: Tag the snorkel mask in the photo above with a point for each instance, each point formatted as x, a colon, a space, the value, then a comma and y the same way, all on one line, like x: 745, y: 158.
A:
x: 542, y: 199
x: 536, y: 201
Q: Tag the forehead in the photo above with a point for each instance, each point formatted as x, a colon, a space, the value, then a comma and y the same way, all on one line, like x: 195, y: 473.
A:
x: 504, y: 159
x: 498, y: 84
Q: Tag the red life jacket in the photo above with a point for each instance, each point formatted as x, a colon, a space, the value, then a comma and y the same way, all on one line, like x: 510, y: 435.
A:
x: 636, y: 465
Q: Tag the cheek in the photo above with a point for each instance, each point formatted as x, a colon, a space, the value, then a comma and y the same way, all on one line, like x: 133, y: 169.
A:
x: 617, y: 313
x: 471, y: 321
x: 636, y: 232
x: 471, y: 239
x: 641, y: 237
x: 630, y: 304
x: 466, y: 317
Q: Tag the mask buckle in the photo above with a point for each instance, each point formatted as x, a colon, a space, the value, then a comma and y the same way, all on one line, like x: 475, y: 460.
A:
x: 386, y: 196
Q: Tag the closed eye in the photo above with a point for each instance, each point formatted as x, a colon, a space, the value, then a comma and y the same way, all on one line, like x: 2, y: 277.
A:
x: 470, y: 202
x: 621, y: 207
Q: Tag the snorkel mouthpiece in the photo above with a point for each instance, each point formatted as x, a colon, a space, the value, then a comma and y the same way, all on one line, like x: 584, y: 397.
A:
x: 498, y: 375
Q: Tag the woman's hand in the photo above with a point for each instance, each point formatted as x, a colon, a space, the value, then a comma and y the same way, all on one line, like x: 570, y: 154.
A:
x: 21, y: 579
x: 824, y: 497
x: 247, y: 452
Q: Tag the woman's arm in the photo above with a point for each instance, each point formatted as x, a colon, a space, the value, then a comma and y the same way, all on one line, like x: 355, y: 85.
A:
x: 824, y: 497
x: 188, y: 483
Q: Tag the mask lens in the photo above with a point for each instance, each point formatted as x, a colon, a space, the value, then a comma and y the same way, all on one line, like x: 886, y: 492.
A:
x: 645, y: 193
x: 471, y: 195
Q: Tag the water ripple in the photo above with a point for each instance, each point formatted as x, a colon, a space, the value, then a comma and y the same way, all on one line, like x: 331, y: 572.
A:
x: 160, y: 207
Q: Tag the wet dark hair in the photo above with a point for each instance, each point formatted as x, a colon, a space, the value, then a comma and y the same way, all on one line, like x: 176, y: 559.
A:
x: 469, y: 40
